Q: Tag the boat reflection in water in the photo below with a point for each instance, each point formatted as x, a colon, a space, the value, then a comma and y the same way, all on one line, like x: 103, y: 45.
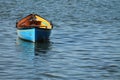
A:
x: 30, y: 49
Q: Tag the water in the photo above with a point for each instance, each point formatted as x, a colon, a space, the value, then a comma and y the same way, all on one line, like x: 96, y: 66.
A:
x: 84, y: 45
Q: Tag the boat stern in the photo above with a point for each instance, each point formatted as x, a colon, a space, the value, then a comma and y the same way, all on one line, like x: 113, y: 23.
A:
x: 34, y: 34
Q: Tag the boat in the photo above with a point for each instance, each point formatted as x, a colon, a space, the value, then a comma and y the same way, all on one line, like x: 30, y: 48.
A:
x: 34, y: 28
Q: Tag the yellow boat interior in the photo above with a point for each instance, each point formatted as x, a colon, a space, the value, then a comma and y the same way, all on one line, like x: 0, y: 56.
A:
x: 34, y: 20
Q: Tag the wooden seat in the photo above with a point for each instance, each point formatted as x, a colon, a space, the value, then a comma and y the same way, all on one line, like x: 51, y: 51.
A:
x: 35, y: 22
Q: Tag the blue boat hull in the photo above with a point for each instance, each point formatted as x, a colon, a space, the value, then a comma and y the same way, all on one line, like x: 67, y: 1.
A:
x: 34, y: 34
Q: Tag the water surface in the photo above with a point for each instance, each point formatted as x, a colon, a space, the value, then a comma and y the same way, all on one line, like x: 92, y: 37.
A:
x: 84, y: 44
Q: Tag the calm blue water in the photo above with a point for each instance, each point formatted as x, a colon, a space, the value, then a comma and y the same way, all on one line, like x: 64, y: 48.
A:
x: 84, y: 44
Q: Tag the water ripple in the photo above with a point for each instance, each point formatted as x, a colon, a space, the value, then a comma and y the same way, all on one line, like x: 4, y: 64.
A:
x: 84, y: 43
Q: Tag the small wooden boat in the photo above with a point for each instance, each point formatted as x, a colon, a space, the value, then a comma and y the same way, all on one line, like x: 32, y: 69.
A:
x: 34, y: 28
